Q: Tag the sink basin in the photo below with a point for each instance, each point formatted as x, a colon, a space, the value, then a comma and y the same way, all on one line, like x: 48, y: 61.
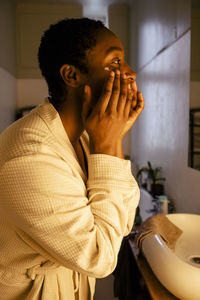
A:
x: 179, y: 270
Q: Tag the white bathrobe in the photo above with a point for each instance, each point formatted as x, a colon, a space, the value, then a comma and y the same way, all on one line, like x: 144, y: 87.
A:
x: 58, y: 229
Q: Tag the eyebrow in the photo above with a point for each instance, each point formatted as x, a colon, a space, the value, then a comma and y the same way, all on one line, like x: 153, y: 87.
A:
x: 111, y: 49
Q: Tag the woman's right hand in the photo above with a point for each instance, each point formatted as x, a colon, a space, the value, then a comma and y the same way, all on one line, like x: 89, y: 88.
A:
x: 113, y: 115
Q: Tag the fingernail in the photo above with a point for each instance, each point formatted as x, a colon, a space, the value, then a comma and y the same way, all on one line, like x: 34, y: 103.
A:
x: 85, y: 89
x: 117, y: 72
x: 112, y: 74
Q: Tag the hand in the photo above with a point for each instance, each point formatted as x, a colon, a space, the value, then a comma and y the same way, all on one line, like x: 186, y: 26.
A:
x: 136, y: 109
x: 113, y: 115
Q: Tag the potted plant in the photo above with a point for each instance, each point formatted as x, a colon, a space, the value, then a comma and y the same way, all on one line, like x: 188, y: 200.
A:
x: 153, y: 182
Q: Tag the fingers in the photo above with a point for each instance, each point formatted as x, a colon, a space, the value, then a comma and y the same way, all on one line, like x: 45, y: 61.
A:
x: 140, y: 105
x: 135, y: 96
x: 119, y: 96
x: 123, y: 95
x: 134, y: 113
x: 128, y: 103
x: 134, y: 101
x: 104, y: 99
x: 114, y: 94
x: 119, y: 93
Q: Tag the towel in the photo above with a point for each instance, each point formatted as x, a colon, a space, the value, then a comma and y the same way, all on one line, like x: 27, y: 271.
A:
x: 158, y: 224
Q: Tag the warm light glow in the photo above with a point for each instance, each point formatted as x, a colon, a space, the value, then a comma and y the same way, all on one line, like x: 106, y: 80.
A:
x: 96, y: 9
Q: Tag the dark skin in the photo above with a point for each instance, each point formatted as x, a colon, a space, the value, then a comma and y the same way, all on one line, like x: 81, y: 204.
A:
x: 105, y: 101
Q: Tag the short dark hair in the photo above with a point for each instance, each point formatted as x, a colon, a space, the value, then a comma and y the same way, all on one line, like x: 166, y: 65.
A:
x: 65, y: 42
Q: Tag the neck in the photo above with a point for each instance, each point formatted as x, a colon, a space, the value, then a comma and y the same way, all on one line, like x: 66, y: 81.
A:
x: 73, y: 127
x: 71, y: 119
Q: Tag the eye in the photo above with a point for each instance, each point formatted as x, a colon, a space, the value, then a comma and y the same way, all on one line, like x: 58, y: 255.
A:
x: 116, y: 62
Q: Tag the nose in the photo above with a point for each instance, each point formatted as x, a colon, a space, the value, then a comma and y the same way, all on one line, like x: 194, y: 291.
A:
x: 131, y: 75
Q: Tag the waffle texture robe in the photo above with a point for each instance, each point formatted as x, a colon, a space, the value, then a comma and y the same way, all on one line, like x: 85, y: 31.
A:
x: 58, y: 229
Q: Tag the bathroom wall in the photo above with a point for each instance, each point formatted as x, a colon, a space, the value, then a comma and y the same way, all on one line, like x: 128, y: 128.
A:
x: 32, y: 18
x: 7, y: 63
x: 160, y: 40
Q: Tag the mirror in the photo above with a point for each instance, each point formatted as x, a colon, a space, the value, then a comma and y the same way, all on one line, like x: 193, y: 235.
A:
x: 194, y: 128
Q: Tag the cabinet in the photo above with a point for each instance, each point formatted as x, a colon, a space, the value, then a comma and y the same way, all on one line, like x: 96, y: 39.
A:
x: 32, y: 20
x: 195, y: 44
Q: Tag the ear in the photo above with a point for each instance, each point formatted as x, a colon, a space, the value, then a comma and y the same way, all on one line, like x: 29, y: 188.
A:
x: 70, y: 75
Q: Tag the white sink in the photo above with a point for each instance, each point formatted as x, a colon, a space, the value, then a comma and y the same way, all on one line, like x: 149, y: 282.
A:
x: 178, y: 271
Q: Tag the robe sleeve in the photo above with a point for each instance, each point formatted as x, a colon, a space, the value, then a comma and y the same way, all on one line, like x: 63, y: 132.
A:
x: 76, y: 224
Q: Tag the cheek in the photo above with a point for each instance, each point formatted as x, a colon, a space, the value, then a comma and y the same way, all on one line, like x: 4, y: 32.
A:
x: 97, y: 87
